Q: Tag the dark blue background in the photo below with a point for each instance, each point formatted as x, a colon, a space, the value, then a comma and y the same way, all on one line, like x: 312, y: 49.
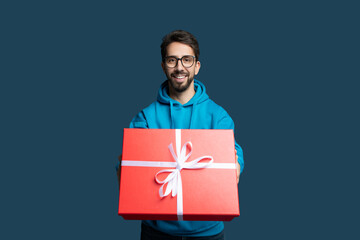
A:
x: 74, y: 74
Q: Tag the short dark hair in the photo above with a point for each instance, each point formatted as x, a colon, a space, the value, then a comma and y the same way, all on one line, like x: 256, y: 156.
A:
x: 180, y: 36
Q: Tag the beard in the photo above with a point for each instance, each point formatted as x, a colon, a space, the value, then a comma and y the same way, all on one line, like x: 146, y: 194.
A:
x: 178, y: 87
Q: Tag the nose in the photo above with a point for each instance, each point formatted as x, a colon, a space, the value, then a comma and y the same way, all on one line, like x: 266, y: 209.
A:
x: 179, y: 65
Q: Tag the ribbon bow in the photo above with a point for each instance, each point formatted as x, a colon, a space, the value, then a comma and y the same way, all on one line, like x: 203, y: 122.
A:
x: 173, y: 180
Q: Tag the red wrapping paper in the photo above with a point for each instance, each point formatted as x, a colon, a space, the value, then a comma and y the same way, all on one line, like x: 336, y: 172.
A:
x: 209, y: 194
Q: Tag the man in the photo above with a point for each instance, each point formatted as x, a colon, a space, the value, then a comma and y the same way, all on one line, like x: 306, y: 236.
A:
x: 182, y: 103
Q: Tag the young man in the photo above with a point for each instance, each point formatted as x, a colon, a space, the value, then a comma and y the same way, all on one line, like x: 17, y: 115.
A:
x: 182, y: 103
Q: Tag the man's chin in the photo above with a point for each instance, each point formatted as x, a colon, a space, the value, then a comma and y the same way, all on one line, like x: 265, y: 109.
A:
x: 180, y: 87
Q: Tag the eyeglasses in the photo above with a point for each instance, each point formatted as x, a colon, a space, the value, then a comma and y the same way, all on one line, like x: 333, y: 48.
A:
x: 187, y: 61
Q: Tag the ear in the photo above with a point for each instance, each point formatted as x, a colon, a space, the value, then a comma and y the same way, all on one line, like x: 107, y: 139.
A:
x: 197, y: 67
x: 163, y: 66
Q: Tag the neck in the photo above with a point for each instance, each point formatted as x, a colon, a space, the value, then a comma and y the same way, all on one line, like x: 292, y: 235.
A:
x: 182, y: 97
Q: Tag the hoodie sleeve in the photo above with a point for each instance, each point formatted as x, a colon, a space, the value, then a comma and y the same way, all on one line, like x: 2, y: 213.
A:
x: 225, y: 122
x: 139, y: 121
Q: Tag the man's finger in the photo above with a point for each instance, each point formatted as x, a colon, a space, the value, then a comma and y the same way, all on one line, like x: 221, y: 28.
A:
x: 237, y: 172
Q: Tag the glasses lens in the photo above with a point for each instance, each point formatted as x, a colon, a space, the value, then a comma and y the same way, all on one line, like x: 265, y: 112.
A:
x: 170, y: 61
x: 187, y: 61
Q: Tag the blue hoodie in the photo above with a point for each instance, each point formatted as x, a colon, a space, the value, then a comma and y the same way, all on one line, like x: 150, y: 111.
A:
x: 199, y: 113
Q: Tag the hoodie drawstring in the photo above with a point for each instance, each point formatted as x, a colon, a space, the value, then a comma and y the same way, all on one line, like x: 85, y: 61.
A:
x: 172, y: 125
x: 192, y: 115
x: 171, y: 115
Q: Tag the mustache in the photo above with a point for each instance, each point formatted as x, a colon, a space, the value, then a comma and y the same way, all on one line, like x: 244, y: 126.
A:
x: 176, y: 72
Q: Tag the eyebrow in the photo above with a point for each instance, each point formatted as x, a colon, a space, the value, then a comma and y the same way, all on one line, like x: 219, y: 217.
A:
x: 181, y: 56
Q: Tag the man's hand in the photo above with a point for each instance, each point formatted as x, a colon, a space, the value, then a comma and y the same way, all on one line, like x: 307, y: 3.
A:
x: 237, y: 167
x: 119, y: 170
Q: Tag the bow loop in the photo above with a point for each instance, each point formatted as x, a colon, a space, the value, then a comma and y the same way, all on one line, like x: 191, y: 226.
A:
x: 169, y: 180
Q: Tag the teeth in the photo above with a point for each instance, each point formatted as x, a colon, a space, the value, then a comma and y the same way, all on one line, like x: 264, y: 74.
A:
x: 180, y: 77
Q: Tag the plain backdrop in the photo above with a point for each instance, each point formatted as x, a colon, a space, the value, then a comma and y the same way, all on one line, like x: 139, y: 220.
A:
x: 74, y: 74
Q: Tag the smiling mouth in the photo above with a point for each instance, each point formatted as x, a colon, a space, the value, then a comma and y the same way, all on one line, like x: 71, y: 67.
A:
x: 179, y: 77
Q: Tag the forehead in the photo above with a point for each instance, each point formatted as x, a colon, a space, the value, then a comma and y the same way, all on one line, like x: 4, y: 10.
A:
x: 179, y: 49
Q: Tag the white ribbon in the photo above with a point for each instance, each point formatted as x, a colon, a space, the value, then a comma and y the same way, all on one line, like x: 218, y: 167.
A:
x: 173, y: 180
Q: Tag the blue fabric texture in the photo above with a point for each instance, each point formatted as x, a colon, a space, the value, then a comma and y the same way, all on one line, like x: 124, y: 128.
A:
x: 199, y: 113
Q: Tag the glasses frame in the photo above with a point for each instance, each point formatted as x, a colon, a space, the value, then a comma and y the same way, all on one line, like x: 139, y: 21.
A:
x: 181, y: 60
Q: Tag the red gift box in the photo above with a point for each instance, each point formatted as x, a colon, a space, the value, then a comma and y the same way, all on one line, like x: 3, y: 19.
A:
x: 173, y: 174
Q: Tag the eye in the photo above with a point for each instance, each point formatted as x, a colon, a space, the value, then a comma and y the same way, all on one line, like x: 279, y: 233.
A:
x: 170, y: 60
x: 187, y: 59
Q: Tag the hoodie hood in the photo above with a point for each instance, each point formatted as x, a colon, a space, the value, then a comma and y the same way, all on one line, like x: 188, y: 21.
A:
x: 199, y: 97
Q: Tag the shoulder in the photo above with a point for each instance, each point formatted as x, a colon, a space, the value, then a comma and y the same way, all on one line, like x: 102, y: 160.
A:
x: 141, y: 119
x: 216, y: 109
x: 150, y: 108
x: 220, y: 116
